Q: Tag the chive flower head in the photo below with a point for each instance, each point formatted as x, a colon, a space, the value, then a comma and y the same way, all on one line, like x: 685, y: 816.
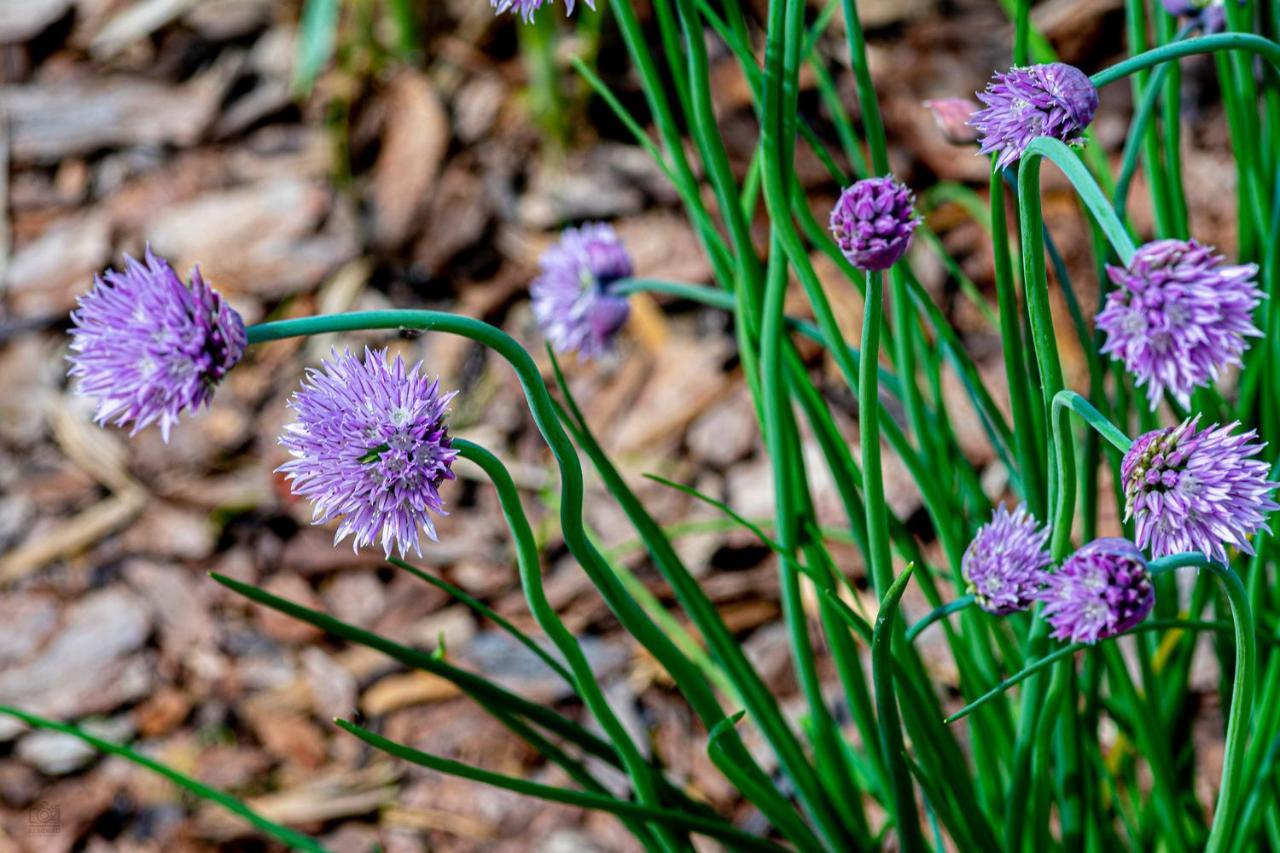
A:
x: 1004, y: 564
x: 1178, y: 316
x: 1196, y: 490
x: 872, y: 222
x: 371, y: 447
x: 571, y: 296
x: 1054, y: 99
x: 1101, y: 590
x: 148, y: 347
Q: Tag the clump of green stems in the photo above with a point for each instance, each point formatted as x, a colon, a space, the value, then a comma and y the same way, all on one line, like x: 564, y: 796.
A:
x: 1028, y: 768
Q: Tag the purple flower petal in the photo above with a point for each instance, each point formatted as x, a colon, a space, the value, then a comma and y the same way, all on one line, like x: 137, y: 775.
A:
x: 148, y: 347
x: 1055, y: 99
x: 872, y: 222
x: 571, y: 299
x: 1178, y: 316
x: 1190, y: 490
x: 1004, y: 564
x: 371, y: 448
x: 1101, y: 590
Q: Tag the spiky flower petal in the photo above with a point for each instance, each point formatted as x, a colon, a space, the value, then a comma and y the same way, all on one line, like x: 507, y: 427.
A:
x: 1004, y: 564
x: 1178, y: 316
x: 571, y: 298
x: 872, y: 222
x: 371, y: 447
x: 526, y: 8
x: 148, y: 347
x: 1054, y: 99
x: 1101, y: 590
x: 1190, y: 490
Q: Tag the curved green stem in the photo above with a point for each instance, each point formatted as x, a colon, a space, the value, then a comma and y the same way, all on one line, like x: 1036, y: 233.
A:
x: 1264, y: 47
x: 1243, y: 686
x: 583, y: 678
x: 939, y: 613
x: 1069, y: 399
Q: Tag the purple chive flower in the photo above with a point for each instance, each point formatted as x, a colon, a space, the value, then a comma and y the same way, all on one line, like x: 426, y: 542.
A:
x: 1178, y: 316
x: 147, y: 347
x: 371, y: 447
x: 952, y: 117
x: 526, y: 8
x: 1055, y: 100
x: 1190, y: 490
x: 1004, y: 564
x: 1211, y: 15
x: 571, y: 298
x: 1101, y: 590
x: 872, y: 222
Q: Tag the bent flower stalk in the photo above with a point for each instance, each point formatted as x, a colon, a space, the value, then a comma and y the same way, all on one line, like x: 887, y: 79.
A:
x: 1004, y: 564
x: 371, y: 448
x: 148, y: 347
x: 1190, y: 490
x: 1101, y: 590
x: 571, y: 298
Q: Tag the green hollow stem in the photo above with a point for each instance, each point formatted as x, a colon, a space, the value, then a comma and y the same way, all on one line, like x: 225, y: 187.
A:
x: 1234, y: 785
x: 1264, y: 47
x: 937, y: 614
x: 283, y: 834
x: 891, y: 742
x: 683, y: 820
x: 1068, y: 399
x: 584, y: 679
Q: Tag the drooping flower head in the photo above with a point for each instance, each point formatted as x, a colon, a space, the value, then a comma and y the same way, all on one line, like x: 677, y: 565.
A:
x: 1178, y: 316
x: 571, y: 298
x: 1099, y: 591
x: 872, y: 222
x: 1054, y: 99
x: 371, y: 447
x: 1004, y: 564
x: 148, y: 347
x: 1190, y: 490
x: 526, y: 8
x: 952, y: 117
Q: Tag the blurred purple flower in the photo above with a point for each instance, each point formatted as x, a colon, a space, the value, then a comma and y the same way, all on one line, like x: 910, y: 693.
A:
x: 1056, y: 100
x: 371, y: 447
x: 952, y: 117
x: 526, y: 8
x: 1178, y: 316
x: 1210, y: 15
x: 872, y: 222
x: 1101, y: 590
x: 1190, y: 490
x: 148, y: 347
x: 1004, y: 564
x: 571, y: 298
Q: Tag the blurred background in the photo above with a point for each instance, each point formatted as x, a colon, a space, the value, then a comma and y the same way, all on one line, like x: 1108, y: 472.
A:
x: 358, y: 154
